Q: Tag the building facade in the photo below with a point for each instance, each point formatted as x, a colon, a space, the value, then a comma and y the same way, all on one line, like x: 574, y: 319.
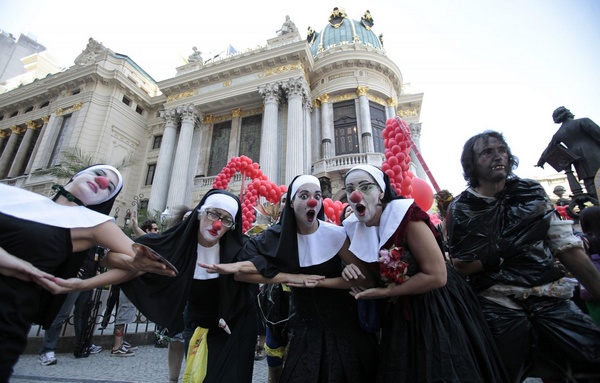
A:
x: 295, y: 105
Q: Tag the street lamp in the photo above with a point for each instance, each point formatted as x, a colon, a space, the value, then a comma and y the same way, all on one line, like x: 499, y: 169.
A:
x: 165, y: 216
x: 127, y: 218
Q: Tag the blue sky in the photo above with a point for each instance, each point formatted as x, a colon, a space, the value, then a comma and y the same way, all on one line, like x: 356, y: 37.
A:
x: 501, y: 65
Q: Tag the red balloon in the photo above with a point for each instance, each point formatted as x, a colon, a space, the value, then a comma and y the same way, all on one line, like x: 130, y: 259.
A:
x: 422, y: 193
x: 401, y: 157
x: 330, y: 213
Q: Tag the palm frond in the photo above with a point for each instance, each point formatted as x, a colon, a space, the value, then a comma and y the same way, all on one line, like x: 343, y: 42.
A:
x: 75, y: 159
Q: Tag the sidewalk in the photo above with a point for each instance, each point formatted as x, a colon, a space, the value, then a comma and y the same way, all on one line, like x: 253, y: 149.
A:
x: 148, y: 365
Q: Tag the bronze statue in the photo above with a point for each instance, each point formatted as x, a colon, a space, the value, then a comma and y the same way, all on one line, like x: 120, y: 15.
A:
x: 582, y: 137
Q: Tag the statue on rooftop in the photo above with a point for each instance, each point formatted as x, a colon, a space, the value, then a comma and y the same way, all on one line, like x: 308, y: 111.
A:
x: 287, y: 27
x: 196, y: 56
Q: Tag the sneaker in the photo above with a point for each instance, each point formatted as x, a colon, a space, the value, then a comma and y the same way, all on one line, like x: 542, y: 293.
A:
x: 122, y: 351
x: 129, y: 346
x: 95, y: 349
x: 48, y: 358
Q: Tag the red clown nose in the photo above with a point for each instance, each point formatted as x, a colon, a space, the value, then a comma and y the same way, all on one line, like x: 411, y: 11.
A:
x: 356, y: 196
x: 102, y: 182
x: 217, y: 225
x: 311, y: 203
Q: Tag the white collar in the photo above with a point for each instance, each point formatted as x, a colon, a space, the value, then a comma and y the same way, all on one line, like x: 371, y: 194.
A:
x: 365, y: 241
x: 207, y: 255
x: 320, y: 246
x: 23, y: 204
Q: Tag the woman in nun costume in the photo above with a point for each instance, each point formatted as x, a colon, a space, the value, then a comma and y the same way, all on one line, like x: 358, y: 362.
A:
x: 41, y: 238
x: 213, y: 234
x: 327, y: 344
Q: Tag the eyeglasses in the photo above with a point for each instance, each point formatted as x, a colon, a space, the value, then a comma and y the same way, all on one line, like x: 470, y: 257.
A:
x: 363, y: 188
x: 212, y: 216
x: 154, y: 229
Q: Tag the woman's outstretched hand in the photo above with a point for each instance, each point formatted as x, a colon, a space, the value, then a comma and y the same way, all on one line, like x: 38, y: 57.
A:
x: 11, y: 266
x: 146, y: 261
x: 304, y: 280
x: 352, y: 272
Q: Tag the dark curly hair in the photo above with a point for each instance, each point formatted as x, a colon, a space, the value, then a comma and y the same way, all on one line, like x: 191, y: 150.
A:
x: 468, y: 160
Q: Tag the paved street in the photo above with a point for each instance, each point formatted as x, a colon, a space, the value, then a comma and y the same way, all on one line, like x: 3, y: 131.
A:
x: 148, y: 365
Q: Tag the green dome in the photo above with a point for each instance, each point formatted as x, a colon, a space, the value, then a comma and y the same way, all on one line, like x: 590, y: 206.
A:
x: 343, y: 31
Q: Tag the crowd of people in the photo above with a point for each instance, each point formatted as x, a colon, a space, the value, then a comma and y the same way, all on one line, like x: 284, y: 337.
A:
x: 386, y: 296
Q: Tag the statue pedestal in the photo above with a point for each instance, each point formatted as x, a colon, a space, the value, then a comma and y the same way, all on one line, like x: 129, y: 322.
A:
x: 284, y: 39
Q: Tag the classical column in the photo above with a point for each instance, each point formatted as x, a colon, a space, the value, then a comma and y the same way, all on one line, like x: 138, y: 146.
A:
x: 193, y: 162
x: 19, y: 163
x: 415, y: 133
x: 234, y: 136
x: 390, y: 110
x: 294, y: 161
x: 36, y: 148
x: 179, y: 177
x: 162, y: 177
x: 6, y: 159
x: 327, y: 149
x: 269, y: 163
x: 365, y: 119
x: 4, y: 134
x: 306, y: 109
x: 315, y: 118
x: 204, y: 146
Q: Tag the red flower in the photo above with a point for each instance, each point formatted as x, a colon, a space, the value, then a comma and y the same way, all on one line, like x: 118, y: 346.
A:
x: 392, y: 269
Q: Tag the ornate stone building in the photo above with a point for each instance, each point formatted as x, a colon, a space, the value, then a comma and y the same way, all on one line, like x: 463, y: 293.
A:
x: 316, y: 105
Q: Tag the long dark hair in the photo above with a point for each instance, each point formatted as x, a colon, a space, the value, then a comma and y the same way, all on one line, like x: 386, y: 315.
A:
x: 468, y: 160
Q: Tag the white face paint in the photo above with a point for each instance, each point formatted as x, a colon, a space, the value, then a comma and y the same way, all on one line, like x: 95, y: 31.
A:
x: 209, y: 232
x: 307, y: 202
x: 364, y: 196
x: 93, y: 186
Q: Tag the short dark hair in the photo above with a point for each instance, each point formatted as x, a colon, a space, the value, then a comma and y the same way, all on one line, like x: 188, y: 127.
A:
x: 589, y: 219
x: 561, y: 113
x: 467, y: 159
x: 147, y: 225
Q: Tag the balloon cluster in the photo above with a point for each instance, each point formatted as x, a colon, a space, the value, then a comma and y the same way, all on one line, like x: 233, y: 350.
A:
x: 396, y: 165
x: 332, y: 210
x: 397, y: 157
x: 259, y: 187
